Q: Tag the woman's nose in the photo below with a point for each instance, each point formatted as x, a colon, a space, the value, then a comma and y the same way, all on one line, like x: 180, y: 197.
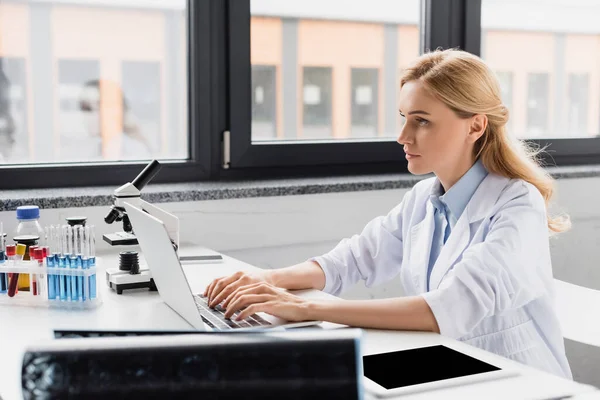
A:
x: 405, y: 137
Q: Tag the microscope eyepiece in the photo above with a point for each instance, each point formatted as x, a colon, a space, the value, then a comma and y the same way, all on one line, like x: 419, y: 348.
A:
x: 146, y: 175
x: 112, y: 215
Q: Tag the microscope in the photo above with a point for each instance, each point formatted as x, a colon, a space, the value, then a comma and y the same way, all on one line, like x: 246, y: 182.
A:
x: 129, y: 274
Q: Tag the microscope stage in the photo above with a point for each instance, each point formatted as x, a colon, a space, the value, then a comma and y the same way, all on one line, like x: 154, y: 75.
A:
x: 120, y: 239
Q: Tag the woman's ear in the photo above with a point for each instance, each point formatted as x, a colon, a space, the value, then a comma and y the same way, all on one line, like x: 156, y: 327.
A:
x: 479, y: 123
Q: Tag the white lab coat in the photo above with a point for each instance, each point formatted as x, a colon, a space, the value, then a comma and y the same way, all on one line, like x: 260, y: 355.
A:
x: 492, y: 284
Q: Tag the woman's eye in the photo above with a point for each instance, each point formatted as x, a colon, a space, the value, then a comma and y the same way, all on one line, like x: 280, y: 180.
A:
x: 422, y: 122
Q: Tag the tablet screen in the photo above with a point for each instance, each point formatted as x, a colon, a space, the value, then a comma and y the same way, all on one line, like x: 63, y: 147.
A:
x: 422, y: 365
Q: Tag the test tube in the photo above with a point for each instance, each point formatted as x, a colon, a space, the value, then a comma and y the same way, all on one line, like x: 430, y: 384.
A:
x: 71, y: 281
x: 92, y: 261
x: 50, y: 246
x: 3, y: 276
x: 56, y: 250
x: 85, y: 263
x: 40, y: 278
x: 33, y: 283
x: 78, y: 253
x: 64, y: 288
x: 14, y: 280
x: 11, y: 253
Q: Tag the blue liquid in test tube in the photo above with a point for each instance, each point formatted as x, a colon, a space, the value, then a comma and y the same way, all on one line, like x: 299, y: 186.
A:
x: 65, y: 287
x: 78, y: 256
x: 50, y: 261
x: 57, y: 278
x: 85, y: 263
x: 92, y: 261
x: 72, y: 264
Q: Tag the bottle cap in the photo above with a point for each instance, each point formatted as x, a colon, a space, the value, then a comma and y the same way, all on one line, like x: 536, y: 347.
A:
x: 38, y: 253
x: 26, y: 239
x: 28, y: 212
x: 11, y: 250
x: 21, y: 249
x: 79, y: 220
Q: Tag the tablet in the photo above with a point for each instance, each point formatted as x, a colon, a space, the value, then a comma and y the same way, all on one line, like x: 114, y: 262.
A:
x: 425, y: 368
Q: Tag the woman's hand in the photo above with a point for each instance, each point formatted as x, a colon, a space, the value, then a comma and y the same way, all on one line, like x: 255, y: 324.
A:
x: 220, y: 288
x: 264, y: 297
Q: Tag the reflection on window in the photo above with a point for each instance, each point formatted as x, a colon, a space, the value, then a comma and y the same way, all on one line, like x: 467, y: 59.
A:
x: 14, y: 139
x: 316, y: 99
x: 537, y: 104
x: 264, y: 101
x: 141, y: 112
x: 578, y: 104
x: 505, y: 79
x: 365, y: 101
x: 78, y: 118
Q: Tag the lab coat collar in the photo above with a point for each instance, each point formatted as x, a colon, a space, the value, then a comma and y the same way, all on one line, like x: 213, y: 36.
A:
x: 486, y: 196
x: 481, y: 204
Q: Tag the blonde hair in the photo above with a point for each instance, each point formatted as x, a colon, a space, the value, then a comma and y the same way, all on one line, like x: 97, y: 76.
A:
x: 467, y: 86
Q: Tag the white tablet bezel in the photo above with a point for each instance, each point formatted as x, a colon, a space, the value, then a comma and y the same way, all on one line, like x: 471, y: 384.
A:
x: 379, y: 391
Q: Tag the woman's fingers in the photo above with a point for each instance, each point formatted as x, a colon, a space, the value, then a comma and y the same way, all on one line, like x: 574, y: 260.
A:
x: 225, y: 292
x: 253, y: 309
x: 210, y: 286
x: 246, y: 300
x: 221, y: 284
x: 241, y: 290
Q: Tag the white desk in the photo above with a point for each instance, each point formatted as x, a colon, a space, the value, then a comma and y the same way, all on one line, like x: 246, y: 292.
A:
x: 141, y: 310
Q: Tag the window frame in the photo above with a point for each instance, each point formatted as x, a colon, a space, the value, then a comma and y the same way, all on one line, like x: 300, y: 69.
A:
x: 219, y: 113
x: 445, y: 23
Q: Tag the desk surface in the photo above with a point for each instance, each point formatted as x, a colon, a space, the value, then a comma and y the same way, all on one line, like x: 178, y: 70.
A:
x: 143, y: 310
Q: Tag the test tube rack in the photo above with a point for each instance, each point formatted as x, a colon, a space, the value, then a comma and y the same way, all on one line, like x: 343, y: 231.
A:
x: 66, y: 281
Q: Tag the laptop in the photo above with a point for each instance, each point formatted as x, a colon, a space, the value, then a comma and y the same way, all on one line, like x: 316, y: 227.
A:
x: 174, y: 289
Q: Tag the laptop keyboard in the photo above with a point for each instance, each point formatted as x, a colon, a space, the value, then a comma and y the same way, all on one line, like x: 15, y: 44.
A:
x: 215, y: 317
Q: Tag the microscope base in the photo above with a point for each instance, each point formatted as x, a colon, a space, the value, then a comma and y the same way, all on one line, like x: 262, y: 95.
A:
x: 122, y: 280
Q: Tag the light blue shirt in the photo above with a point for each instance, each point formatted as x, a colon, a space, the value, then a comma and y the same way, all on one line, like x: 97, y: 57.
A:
x: 449, y: 206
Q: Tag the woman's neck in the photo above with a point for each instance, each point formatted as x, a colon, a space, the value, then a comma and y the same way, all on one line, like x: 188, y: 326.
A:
x: 450, y: 175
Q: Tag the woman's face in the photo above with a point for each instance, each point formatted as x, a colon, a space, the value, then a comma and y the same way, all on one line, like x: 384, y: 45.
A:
x: 434, y: 138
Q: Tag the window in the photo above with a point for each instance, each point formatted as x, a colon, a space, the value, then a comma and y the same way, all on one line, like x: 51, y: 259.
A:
x: 335, y: 76
x: 553, y: 67
x: 341, y: 63
x: 365, y: 102
x: 537, y: 104
x: 81, y: 82
x: 258, y: 88
x: 578, y: 104
x: 264, y: 102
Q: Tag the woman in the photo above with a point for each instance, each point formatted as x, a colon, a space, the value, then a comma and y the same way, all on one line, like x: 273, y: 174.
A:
x: 470, y: 244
